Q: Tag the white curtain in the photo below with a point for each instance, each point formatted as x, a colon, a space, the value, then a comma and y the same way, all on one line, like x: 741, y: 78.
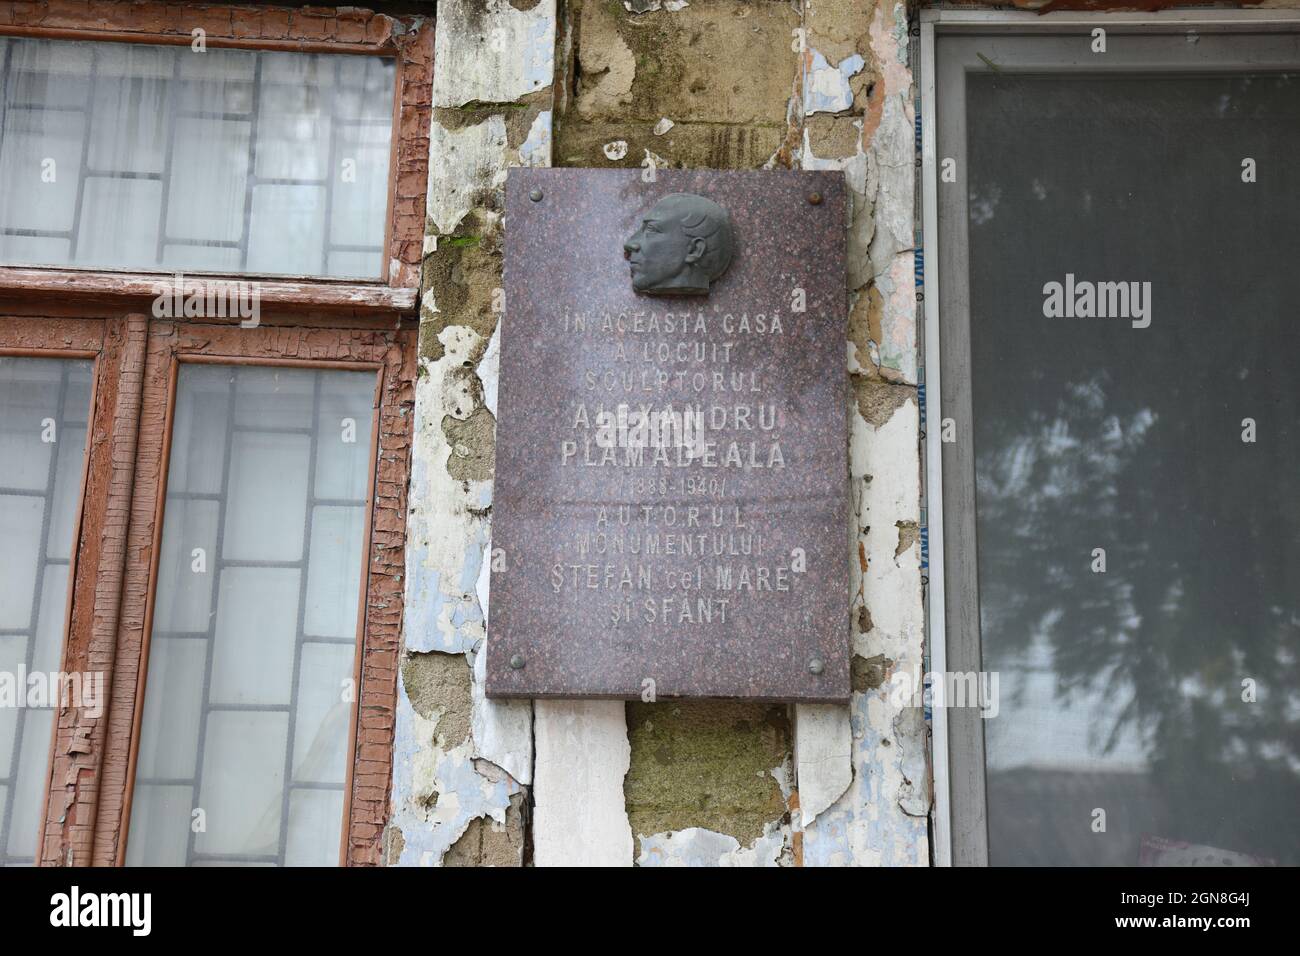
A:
x: 152, y: 158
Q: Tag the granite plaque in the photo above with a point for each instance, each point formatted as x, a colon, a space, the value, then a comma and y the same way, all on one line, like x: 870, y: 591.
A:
x: 670, y: 514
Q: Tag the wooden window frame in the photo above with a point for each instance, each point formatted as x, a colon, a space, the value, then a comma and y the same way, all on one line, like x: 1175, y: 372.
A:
x: 71, y: 339
x: 306, y: 322
x: 406, y: 40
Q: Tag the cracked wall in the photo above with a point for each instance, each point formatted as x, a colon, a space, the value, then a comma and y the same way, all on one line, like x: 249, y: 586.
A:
x: 462, y: 764
x: 867, y: 803
x: 720, y: 84
x: 628, y: 73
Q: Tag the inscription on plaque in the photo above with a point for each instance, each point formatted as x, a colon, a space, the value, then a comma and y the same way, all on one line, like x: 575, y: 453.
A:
x: 670, y: 511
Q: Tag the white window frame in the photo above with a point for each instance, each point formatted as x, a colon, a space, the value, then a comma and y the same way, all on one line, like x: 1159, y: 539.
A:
x: 960, y: 827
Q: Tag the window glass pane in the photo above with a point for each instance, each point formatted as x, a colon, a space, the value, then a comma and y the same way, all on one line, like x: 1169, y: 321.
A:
x: 153, y: 158
x: 44, y: 404
x: 249, y: 699
x: 1164, y: 689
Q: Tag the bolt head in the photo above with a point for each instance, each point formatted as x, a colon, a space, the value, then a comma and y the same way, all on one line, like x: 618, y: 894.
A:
x: 535, y: 195
x: 517, y: 662
x: 816, y: 666
x: 815, y: 198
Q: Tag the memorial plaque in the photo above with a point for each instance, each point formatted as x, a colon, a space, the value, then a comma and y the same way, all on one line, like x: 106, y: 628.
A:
x: 670, y: 514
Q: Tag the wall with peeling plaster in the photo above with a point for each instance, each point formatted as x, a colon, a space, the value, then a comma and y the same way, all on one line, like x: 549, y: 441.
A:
x: 708, y: 83
x: 462, y: 765
x: 727, y: 84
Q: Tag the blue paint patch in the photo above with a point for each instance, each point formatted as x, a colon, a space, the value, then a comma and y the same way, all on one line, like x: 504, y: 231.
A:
x: 427, y: 836
x: 536, y: 149
x: 867, y: 820
x: 826, y: 87
x: 539, y: 63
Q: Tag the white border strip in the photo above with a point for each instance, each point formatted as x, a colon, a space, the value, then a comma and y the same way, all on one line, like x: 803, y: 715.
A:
x: 933, y: 497
x: 996, y: 21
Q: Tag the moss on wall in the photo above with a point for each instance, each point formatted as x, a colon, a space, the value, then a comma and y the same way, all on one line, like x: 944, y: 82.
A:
x: 706, y: 764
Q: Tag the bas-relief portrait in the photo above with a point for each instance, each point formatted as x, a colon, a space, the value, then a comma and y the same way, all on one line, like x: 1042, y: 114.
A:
x: 683, y: 244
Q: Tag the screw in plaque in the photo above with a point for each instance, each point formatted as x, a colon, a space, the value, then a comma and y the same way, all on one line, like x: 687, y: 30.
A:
x: 815, y: 666
x: 517, y: 662
x: 815, y: 199
x: 535, y: 195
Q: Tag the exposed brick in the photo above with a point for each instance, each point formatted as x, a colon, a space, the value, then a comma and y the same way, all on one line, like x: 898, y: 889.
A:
x: 379, y: 30
x: 411, y: 183
x: 368, y: 856
x: 179, y: 18
x: 351, y: 26
x: 421, y: 95
x: 413, y: 125
x: 419, y: 51
x: 66, y: 13
x: 106, y: 15
x: 312, y: 27
x: 275, y: 24
x: 408, y: 225
x: 216, y: 21
x: 246, y: 23
x: 24, y: 12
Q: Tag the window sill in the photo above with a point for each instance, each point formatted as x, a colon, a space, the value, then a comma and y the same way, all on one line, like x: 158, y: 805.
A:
x: 355, y: 297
